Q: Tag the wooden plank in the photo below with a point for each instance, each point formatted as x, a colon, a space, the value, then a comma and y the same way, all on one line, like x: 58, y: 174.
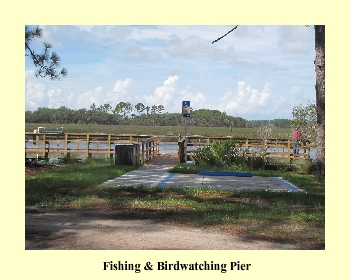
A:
x: 48, y: 145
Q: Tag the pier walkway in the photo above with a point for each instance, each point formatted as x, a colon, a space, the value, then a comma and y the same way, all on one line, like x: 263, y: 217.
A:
x: 156, y: 174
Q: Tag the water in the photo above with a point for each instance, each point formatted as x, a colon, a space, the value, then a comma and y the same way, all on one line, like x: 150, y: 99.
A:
x: 163, y: 148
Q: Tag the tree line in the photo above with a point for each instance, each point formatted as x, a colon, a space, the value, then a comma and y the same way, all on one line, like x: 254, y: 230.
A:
x: 126, y: 114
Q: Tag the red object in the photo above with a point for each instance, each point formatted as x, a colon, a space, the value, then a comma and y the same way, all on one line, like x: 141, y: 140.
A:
x: 296, y: 134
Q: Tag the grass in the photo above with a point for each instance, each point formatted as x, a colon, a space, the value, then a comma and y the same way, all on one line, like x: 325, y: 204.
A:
x: 297, y: 218
x: 70, y: 183
x: 159, y: 130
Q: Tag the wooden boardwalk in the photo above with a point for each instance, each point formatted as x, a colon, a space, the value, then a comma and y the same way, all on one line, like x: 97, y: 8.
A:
x: 95, y: 145
x: 164, y: 159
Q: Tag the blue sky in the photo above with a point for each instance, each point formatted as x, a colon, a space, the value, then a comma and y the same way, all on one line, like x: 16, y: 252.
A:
x: 255, y: 72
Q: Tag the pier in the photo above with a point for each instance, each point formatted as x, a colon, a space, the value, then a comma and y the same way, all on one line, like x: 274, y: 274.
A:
x: 96, y: 145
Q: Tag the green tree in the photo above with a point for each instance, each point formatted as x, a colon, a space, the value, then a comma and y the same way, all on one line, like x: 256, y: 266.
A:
x: 305, y: 118
x: 105, y: 108
x: 129, y: 107
x: 46, y: 62
x: 160, y: 108
x: 93, y: 107
x: 123, y: 108
x: 139, y: 107
x: 153, y: 109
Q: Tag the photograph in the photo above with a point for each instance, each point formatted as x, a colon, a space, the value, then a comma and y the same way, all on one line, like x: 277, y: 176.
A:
x: 175, y: 137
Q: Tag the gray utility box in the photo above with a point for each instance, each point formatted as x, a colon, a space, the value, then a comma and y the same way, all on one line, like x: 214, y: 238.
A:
x: 127, y: 154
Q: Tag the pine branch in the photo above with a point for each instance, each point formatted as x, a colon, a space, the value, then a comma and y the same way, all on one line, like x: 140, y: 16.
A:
x: 224, y: 35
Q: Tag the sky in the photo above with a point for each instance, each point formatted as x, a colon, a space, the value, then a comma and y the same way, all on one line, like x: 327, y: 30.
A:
x: 255, y: 72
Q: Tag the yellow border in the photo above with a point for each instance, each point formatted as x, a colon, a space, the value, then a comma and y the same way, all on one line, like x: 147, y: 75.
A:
x: 88, y: 264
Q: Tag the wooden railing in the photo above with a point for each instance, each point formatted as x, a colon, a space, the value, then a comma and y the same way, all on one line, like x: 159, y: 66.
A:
x: 149, y: 148
x: 82, y: 145
x: 268, y: 148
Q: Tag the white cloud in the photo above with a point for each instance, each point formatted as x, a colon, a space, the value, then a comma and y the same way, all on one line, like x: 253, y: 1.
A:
x: 119, y: 92
x: 193, y: 47
x: 296, y: 91
x: 104, y: 34
x: 198, y: 100
x: 260, y: 98
x: 138, y: 53
x: 35, y: 92
x: 55, y: 99
x: 121, y: 86
x: 165, y: 94
x: 39, y: 94
x: 296, y: 39
x: 86, y: 99
x: 247, y: 100
x: 190, y: 47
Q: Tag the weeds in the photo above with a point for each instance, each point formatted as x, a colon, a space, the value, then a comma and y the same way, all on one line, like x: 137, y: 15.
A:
x: 230, y: 154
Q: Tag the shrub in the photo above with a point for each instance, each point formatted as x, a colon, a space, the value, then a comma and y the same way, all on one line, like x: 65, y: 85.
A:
x: 229, y: 153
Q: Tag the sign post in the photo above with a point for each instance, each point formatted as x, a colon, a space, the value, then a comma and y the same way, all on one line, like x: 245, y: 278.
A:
x: 186, y: 111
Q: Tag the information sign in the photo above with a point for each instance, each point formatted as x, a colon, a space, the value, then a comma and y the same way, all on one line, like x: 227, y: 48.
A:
x: 186, y: 109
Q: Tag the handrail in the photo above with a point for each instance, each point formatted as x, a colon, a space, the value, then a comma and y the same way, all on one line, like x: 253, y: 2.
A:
x: 82, y: 145
x: 266, y: 148
x: 149, y: 148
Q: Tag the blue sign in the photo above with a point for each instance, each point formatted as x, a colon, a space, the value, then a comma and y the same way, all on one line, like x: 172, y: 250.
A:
x: 186, y: 109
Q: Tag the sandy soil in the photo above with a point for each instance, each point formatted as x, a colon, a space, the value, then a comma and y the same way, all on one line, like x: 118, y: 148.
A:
x: 99, y: 229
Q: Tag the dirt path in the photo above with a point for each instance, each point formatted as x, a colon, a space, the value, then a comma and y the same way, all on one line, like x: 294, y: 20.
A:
x: 98, y: 229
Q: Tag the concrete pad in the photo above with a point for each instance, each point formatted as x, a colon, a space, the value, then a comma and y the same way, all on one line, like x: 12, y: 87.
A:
x: 147, y: 175
x: 159, y: 176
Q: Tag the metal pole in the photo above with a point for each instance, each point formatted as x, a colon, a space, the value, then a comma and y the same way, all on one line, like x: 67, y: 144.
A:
x: 185, y: 142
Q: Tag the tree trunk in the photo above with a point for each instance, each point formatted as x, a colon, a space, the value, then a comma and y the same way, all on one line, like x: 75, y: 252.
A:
x: 320, y: 100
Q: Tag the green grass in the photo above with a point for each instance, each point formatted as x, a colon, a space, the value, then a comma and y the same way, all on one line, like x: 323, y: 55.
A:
x: 297, y: 218
x: 159, y: 130
x: 69, y: 183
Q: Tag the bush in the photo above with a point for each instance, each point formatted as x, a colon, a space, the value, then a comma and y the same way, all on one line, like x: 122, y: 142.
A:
x: 229, y: 153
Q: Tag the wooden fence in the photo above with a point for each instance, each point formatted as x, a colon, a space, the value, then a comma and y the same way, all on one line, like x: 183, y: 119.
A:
x: 82, y: 145
x: 149, y: 148
x: 268, y: 148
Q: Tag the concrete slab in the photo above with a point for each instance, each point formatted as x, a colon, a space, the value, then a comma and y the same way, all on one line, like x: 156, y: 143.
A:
x: 159, y: 176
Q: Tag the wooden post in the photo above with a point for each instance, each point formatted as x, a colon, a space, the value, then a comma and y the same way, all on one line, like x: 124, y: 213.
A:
x: 147, y: 150
x: 44, y: 145
x: 288, y: 151
x: 247, y: 148
x: 65, y: 144
x: 179, y: 151
x: 37, y: 144
x: 182, y: 153
x: 136, y: 158
x: 87, y: 145
x: 109, y: 147
x: 157, y: 145
x: 143, y: 152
